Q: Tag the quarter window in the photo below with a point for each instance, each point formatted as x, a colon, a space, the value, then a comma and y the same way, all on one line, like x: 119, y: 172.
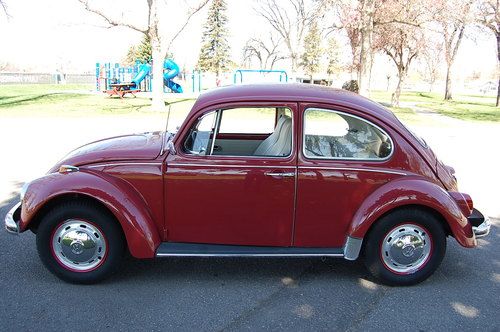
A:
x: 336, y: 135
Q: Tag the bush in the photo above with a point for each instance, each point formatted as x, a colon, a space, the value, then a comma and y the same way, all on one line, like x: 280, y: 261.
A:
x: 351, y: 85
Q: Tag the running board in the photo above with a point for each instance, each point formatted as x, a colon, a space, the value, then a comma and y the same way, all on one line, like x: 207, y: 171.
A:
x: 169, y: 249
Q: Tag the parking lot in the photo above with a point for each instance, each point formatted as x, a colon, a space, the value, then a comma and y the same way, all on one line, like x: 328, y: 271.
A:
x: 247, y: 294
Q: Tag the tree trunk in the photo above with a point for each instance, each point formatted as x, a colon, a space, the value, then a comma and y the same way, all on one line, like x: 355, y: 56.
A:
x: 366, y: 53
x: 397, y: 92
x: 447, y: 91
x: 157, y: 102
x: 311, y: 79
x: 498, y: 58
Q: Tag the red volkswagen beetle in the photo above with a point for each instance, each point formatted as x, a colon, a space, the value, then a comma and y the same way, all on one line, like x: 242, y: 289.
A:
x: 258, y: 170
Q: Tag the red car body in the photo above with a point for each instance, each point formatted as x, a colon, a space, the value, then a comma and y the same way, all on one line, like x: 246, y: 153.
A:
x: 159, y: 196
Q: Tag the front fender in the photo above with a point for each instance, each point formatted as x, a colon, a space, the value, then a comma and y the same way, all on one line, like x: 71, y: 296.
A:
x: 412, y: 190
x: 117, y: 195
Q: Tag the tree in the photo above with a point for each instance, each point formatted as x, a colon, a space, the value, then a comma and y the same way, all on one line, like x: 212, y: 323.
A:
x: 215, y: 51
x: 366, y: 50
x: 432, y: 58
x: 402, y: 42
x: 310, y: 59
x: 489, y: 16
x: 4, y: 8
x: 267, y: 54
x: 290, y: 19
x: 347, y: 13
x: 452, y: 19
x: 141, y: 52
x: 333, y: 57
x: 161, y: 31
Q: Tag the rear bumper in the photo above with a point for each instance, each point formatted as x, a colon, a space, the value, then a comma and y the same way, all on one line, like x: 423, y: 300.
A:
x: 12, y: 219
x: 480, y: 224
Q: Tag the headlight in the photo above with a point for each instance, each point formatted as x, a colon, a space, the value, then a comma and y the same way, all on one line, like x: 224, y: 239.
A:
x: 23, y: 190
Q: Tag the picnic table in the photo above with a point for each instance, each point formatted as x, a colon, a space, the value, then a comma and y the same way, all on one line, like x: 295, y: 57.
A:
x: 121, y: 89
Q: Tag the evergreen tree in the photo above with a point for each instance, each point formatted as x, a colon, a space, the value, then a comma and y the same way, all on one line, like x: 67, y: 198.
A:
x: 215, y: 50
x: 141, y: 52
x: 333, y: 57
x: 312, y: 51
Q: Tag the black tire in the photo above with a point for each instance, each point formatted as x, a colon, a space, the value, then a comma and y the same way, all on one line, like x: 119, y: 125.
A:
x: 99, y: 218
x: 389, y: 225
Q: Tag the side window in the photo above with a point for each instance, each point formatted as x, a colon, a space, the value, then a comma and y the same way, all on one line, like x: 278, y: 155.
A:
x: 199, y: 136
x: 245, y: 131
x: 336, y: 135
x: 248, y: 120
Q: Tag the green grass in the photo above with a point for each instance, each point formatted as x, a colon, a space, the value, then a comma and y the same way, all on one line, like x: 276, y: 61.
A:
x: 79, y: 100
x: 76, y: 100
x: 464, y: 107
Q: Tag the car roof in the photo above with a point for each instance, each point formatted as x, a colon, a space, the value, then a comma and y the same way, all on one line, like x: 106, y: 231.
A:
x: 291, y: 92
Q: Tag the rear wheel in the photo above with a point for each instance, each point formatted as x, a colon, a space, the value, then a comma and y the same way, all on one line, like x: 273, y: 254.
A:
x: 405, y: 247
x: 79, y: 242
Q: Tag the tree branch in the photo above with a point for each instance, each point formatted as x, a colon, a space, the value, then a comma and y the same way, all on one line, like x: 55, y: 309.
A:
x: 111, y: 21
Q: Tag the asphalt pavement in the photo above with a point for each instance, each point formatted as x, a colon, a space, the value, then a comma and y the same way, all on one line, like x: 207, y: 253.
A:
x: 232, y: 294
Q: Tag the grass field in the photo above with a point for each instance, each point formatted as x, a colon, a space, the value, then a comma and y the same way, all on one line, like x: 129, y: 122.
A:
x: 464, y: 107
x: 81, y: 101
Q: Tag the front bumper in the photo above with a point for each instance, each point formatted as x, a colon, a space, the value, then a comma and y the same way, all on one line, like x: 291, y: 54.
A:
x: 480, y: 224
x: 12, y: 219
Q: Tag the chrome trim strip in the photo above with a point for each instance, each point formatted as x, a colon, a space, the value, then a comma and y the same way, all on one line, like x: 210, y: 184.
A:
x: 353, y: 169
x: 120, y: 164
x: 218, y: 119
x: 11, y: 225
x: 483, y: 229
x: 352, y: 248
x: 228, y: 166
x: 343, y: 158
x: 245, y: 255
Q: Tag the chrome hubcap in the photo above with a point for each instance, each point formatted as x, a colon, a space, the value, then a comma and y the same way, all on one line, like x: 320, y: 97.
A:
x: 406, y: 248
x: 79, y: 245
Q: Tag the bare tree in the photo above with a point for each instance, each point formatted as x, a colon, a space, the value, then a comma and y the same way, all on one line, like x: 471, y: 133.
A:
x: 4, y: 7
x: 290, y: 18
x: 489, y: 16
x: 154, y: 26
x: 402, y: 42
x: 348, y: 15
x: 367, y: 14
x: 452, y: 18
x: 266, y: 52
x: 432, y: 57
x: 362, y: 18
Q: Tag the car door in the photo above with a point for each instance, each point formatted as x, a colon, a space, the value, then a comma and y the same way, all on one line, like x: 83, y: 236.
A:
x: 232, y: 178
x: 344, y: 156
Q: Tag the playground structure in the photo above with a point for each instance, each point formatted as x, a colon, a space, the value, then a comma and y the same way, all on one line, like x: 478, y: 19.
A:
x: 118, y: 81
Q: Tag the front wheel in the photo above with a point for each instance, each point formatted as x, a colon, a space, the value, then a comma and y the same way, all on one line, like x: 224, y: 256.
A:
x: 405, y: 247
x: 79, y: 242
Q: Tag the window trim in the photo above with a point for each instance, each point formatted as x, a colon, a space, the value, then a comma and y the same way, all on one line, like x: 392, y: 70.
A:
x: 342, y: 158
x: 212, y: 156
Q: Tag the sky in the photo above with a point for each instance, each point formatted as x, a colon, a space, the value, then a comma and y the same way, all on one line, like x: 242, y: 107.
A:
x: 43, y: 35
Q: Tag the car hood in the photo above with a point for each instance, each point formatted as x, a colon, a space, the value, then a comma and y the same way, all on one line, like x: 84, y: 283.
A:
x: 145, y: 146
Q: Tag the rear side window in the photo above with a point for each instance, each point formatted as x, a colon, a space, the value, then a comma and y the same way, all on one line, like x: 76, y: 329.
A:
x: 332, y: 134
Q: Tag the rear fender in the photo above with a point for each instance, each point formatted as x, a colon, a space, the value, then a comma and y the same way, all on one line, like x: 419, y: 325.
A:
x: 122, y: 200
x: 416, y: 191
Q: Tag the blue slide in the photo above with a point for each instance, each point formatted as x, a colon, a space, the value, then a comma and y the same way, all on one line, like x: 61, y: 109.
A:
x: 143, y: 71
x: 171, y: 71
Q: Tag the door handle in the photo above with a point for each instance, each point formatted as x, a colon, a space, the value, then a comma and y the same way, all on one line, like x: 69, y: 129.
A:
x: 281, y: 174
